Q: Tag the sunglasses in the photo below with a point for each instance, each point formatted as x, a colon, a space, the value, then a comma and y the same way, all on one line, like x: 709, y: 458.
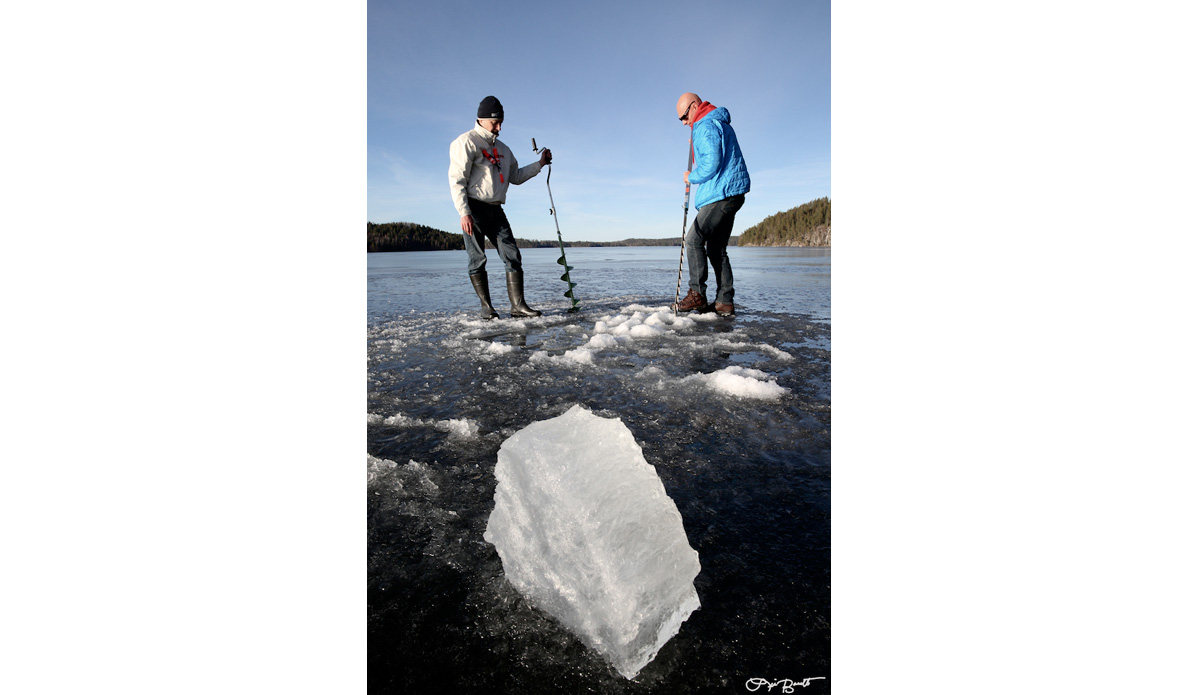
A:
x: 686, y: 111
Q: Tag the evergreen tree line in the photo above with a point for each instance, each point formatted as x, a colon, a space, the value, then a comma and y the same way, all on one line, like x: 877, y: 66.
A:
x: 806, y: 225
x: 407, y: 236
x: 670, y: 241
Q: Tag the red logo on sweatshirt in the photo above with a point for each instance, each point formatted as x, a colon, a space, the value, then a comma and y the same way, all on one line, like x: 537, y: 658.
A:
x: 494, y: 157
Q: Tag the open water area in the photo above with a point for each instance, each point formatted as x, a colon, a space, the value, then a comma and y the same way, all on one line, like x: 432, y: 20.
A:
x: 733, y: 413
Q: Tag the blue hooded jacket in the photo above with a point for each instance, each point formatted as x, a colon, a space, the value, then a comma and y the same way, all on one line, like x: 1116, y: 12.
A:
x: 719, y: 170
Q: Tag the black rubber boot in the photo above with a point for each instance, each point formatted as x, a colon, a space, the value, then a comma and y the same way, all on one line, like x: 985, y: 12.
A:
x: 516, y: 295
x: 479, y: 281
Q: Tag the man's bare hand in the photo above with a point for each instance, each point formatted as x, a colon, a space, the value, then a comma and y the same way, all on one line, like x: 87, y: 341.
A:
x: 468, y: 225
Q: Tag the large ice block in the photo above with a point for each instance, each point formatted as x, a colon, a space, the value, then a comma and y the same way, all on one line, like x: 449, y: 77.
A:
x: 586, y: 531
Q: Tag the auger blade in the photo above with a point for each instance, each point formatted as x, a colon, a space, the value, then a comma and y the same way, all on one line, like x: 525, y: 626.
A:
x: 562, y: 259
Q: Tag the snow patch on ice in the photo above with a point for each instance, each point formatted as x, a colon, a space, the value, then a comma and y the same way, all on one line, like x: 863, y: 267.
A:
x: 579, y: 356
x: 741, y: 382
x: 500, y: 348
x: 634, y: 322
x: 643, y: 322
x: 602, y: 341
x: 646, y: 330
x: 781, y: 355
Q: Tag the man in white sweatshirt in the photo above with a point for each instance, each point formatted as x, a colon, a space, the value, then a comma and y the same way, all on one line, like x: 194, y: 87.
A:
x: 481, y: 169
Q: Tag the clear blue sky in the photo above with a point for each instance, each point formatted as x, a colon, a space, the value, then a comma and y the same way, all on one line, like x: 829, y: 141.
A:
x: 597, y: 84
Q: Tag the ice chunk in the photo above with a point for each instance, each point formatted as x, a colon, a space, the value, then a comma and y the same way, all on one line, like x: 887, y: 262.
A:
x: 456, y: 427
x: 587, y: 532
x: 378, y: 469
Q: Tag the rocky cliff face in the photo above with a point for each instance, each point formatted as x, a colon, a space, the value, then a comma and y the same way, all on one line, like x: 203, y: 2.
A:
x: 821, y: 235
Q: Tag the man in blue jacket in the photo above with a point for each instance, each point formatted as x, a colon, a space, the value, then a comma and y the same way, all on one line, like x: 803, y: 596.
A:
x: 722, y: 182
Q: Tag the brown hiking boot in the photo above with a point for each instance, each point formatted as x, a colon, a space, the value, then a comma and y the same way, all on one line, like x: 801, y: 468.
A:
x: 693, y: 300
x: 724, y: 309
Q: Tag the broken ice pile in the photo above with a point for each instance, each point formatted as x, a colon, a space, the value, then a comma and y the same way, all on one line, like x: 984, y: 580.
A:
x: 587, y: 532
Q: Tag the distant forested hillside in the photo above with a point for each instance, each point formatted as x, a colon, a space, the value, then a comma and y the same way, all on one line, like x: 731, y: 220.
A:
x: 807, y: 225
x: 406, y: 236
x: 669, y: 241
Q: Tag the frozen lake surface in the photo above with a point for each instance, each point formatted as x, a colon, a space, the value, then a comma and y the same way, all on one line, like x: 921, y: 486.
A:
x: 733, y: 414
